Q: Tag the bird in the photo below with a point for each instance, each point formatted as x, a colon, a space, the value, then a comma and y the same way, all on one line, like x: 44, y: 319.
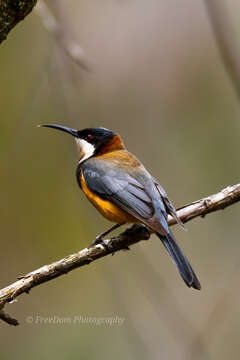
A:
x: 123, y: 191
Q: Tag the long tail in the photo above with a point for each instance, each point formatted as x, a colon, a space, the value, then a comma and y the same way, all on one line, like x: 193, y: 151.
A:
x: 180, y: 260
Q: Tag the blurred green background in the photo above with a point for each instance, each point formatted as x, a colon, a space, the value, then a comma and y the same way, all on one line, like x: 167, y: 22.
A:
x: 156, y: 78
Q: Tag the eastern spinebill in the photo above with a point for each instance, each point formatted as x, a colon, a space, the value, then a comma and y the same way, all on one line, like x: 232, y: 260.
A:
x: 120, y: 187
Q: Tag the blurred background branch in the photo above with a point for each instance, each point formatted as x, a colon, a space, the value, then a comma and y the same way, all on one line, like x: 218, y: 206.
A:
x: 11, y: 12
x: 55, y: 28
x: 132, y: 235
x: 226, y: 39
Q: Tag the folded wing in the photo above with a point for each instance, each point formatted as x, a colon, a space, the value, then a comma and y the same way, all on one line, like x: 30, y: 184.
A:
x: 120, y: 188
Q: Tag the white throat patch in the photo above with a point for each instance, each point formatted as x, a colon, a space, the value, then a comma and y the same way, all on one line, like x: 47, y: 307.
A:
x: 85, y: 149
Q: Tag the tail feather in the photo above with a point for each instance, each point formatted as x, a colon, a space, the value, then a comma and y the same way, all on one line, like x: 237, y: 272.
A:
x: 180, y: 261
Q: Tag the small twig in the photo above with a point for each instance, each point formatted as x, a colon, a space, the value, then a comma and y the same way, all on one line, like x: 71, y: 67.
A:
x: 132, y: 235
x: 7, y: 318
x: 71, y: 48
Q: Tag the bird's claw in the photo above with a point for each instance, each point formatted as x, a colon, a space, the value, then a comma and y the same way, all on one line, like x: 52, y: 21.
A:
x: 98, y: 240
x: 108, y: 246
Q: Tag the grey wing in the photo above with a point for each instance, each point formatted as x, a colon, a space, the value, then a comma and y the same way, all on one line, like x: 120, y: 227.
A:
x: 122, y: 189
x: 168, y: 204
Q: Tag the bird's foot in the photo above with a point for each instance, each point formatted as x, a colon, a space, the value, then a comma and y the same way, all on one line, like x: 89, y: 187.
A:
x: 107, y: 245
x: 98, y: 240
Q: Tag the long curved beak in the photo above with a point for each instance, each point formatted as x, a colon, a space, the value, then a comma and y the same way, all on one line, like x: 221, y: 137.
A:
x: 68, y: 130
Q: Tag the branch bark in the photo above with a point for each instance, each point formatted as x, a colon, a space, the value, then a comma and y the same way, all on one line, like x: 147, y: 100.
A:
x: 130, y: 236
x: 11, y: 12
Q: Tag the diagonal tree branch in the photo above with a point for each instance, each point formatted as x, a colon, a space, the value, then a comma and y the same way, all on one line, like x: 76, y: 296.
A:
x: 132, y: 235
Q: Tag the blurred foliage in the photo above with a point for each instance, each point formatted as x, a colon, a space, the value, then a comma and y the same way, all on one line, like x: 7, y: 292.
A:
x: 157, y: 80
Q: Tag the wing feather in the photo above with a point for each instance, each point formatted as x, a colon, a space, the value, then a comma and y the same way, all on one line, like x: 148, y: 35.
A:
x: 169, y: 206
x: 120, y: 188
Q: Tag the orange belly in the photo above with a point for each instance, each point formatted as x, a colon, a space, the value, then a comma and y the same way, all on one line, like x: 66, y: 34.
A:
x: 106, y: 208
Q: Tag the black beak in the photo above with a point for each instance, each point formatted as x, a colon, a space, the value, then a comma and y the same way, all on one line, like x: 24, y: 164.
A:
x: 68, y: 130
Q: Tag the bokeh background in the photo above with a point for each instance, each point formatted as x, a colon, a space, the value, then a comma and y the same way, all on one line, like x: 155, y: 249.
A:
x: 157, y: 78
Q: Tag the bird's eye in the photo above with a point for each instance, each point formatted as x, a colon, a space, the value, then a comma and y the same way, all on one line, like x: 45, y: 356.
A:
x: 89, y: 137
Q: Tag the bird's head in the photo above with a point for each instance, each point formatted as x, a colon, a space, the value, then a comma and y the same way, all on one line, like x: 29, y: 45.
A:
x: 92, y: 141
